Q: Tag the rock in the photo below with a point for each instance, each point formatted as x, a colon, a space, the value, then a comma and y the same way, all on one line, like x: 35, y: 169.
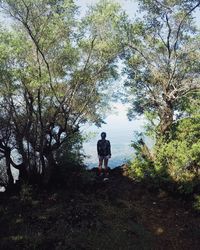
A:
x: 162, y: 194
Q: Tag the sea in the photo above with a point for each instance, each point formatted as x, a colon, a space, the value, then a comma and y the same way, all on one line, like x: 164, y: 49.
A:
x: 120, y: 132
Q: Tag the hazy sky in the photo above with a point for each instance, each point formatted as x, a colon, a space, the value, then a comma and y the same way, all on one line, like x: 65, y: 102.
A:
x: 129, y: 5
x: 117, y: 126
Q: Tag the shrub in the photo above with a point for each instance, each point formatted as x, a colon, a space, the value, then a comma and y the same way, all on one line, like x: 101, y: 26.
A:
x: 180, y: 156
x: 3, y: 175
x: 142, y: 165
x: 69, y: 159
x: 26, y: 193
x: 196, y: 204
x: 176, y: 161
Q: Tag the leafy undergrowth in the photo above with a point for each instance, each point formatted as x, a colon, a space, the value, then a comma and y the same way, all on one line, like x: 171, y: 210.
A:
x: 117, y: 214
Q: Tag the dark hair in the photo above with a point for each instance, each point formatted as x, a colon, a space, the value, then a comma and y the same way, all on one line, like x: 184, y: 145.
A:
x: 103, y: 134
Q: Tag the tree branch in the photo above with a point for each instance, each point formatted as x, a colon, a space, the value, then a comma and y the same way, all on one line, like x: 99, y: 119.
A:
x: 181, y: 24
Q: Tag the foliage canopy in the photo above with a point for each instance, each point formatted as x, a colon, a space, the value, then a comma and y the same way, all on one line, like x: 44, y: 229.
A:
x: 54, y: 72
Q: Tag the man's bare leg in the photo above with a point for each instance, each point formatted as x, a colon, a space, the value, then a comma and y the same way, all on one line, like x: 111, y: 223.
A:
x: 106, y: 165
x: 100, y: 166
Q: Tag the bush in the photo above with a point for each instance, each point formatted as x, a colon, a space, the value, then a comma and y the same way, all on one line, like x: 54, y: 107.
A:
x: 142, y: 167
x: 180, y: 157
x: 71, y: 151
x: 3, y: 174
x: 197, y: 203
x: 176, y: 161
x: 26, y: 193
x: 69, y: 159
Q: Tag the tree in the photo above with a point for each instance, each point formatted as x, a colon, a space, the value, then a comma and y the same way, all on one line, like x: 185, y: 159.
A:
x: 163, y: 61
x: 54, y: 72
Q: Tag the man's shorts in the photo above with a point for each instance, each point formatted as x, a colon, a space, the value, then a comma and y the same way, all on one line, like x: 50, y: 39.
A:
x: 102, y: 157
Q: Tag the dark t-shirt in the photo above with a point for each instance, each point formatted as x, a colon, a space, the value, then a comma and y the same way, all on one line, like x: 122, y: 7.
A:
x: 103, y: 148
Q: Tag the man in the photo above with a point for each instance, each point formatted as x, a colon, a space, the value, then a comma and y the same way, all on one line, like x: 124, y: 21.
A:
x: 104, y: 153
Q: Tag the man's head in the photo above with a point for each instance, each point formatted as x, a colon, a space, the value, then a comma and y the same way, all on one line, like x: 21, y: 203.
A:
x: 103, y: 135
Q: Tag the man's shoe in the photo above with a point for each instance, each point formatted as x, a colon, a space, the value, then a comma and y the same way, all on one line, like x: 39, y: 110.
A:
x: 105, y: 179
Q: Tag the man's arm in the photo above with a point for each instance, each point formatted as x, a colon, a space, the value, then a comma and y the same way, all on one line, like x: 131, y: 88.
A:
x: 98, y: 147
x: 109, y: 148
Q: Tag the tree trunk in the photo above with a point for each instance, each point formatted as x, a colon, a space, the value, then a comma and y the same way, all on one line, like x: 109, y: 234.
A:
x: 50, y: 167
x: 8, y: 168
x: 166, y: 121
x: 23, y: 173
x: 23, y: 167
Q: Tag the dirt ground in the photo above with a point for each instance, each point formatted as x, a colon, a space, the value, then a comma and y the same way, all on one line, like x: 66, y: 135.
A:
x: 170, y: 220
x: 115, y: 214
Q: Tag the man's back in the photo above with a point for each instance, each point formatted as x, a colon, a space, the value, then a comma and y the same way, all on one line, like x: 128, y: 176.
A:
x: 103, y: 147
